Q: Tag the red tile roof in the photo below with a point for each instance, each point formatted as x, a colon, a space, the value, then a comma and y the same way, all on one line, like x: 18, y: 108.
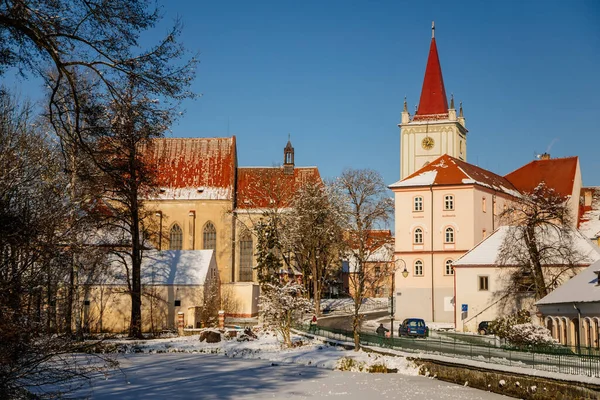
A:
x: 447, y: 170
x: 195, y: 163
x: 433, y: 103
x: 265, y: 187
x: 557, y: 173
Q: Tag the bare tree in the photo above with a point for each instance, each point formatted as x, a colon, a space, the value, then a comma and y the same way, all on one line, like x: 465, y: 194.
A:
x: 313, y: 232
x: 369, y: 207
x: 539, y: 244
x: 59, y: 40
x: 128, y: 178
x: 33, y: 215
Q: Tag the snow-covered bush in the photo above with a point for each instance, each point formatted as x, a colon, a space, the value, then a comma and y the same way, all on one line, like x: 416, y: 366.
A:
x: 501, y: 327
x: 281, y: 306
x: 530, y: 334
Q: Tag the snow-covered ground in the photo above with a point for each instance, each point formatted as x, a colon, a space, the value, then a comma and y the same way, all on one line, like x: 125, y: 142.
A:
x: 185, y: 368
x: 214, y: 377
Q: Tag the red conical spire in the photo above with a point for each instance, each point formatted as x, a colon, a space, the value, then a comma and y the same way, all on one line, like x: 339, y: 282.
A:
x: 433, y: 95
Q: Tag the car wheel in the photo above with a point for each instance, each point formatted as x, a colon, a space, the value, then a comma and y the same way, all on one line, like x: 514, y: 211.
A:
x: 482, y: 332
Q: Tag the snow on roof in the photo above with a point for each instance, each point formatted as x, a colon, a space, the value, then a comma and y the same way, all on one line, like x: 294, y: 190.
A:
x: 590, y: 220
x: 447, y: 170
x: 423, y: 179
x: 486, y: 252
x: 582, y: 288
x: 192, y: 163
x: 169, y: 267
x: 261, y: 188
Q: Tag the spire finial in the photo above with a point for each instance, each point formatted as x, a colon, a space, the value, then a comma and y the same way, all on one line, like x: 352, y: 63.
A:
x: 289, y: 136
x: 452, y: 101
x: 405, y: 105
x: 460, y: 112
x: 432, y: 29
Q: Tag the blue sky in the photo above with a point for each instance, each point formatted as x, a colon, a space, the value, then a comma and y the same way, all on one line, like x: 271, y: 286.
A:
x: 334, y: 74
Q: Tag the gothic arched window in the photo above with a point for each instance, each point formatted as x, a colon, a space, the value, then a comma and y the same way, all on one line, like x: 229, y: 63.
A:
x: 209, y: 237
x: 246, y: 249
x: 175, y: 238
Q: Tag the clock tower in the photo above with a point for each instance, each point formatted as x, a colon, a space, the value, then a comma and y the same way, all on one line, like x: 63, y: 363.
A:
x: 435, y: 129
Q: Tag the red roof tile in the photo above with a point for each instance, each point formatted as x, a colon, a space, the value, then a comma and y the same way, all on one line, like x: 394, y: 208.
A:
x: 264, y: 187
x: 433, y: 103
x: 195, y: 163
x: 557, y: 173
x: 447, y: 170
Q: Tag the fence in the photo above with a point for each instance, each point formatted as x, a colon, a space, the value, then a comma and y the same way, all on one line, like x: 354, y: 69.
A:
x: 551, y: 359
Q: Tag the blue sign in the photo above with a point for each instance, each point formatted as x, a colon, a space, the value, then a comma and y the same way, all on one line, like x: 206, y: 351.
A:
x: 464, y: 308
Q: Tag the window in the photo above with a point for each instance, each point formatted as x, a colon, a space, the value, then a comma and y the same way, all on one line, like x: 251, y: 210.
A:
x: 484, y: 234
x: 483, y: 205
x: 449, y: 268
x: 449, y: 235
x: 418, y: 236
x: 448, y: 202
x: 177, y: 303
x: 175, y: 238
x: 483, y: 283
x: 377, y: 271
x: 246, y: 257
x: 209, y: 237
x: 418, y: 268
x: 418, y: 205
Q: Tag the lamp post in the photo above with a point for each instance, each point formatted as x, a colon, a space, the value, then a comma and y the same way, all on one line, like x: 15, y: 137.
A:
x: 392, y: 298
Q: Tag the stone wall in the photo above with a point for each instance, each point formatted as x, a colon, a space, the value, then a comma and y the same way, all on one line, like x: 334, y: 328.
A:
x: 507, y: 383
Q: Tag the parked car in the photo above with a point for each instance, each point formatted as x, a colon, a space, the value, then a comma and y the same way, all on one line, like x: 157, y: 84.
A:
x: 484, y: 328
x: 413, y: 327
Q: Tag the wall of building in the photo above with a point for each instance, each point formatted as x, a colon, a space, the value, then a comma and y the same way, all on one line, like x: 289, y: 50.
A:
x: 109, y: 308
x: 218, y: 212
x: 431, y: 296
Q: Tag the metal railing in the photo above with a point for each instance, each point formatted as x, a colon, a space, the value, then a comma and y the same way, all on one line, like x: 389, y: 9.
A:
x: 552, y: 359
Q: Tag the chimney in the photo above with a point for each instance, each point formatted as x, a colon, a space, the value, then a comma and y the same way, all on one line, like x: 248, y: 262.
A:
x: 545, y: 156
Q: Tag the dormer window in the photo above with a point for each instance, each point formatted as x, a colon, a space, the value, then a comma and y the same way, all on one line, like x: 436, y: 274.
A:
x: 200, y: 190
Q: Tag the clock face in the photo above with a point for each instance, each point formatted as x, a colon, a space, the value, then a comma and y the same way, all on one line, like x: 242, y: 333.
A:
x: 427, y: 143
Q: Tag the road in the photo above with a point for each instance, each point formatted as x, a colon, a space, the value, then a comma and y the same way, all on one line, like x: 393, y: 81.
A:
x: 345, y: 321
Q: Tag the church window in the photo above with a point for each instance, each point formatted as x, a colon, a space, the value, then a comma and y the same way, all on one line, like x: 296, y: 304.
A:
x: 418, y: 205
x: 448, y: 202
x: 176, y: 238
x: 418, y: 268
x: 209, y: 237
x: 246, y: 257
x: 449, y: 268
x: 418, y: 236
x: 449, y: 235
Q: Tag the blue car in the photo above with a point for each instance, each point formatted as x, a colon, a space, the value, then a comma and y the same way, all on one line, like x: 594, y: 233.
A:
x: 413, y: 327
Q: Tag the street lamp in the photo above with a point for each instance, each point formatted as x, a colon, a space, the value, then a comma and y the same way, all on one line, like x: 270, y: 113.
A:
x: 392, y: 298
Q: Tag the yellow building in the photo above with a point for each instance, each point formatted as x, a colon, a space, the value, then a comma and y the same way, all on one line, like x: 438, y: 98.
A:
x: 207, y: 202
